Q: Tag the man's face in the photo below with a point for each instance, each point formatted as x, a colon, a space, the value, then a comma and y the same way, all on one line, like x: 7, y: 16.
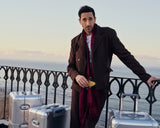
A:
x: 87, y: 21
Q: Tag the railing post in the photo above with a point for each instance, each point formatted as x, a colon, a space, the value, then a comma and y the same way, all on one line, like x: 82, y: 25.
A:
x: 12, y: 77
x: 64, y: 86
x: 55, y: 85
x: 39, y: 81
x: 46, y: 83
x: 31, y: 79
x: 5, y: 97
x: 18, y: 77
x: 24, y: 78
x: 106, y: 118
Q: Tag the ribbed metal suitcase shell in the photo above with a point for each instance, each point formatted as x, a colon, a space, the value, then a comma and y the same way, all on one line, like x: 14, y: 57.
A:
x: 50, y: 116
x: 127, y: 119
x: 19, y: 104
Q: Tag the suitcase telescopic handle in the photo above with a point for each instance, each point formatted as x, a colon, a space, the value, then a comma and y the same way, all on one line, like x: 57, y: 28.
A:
x: 52, y: 106
x: 59, y: 111
x: 134, y: 95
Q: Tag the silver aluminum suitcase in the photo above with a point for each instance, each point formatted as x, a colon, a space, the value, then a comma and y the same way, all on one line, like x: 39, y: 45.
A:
x: 19, y: 104
x: 50, y: 116
x: 129, y: 119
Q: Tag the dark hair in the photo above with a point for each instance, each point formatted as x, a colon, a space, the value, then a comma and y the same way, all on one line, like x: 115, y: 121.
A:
x: 84, y: 9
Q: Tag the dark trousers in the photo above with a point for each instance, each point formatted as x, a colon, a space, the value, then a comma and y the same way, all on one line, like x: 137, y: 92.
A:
x: 75, y: 122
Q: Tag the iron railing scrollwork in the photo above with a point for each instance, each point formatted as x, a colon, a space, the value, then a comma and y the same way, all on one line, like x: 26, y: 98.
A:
x: 23, y: 79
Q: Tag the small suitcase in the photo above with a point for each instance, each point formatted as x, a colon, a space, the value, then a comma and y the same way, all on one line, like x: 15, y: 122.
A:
x: 49, y: 116
x: 129, y: 119
x: 19, y: 104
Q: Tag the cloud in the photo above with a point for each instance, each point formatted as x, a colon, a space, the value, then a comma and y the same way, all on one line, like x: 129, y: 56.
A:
x: 32, y: 55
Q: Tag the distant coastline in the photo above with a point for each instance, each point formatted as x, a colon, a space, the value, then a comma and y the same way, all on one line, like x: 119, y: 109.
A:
x: 58, y: 66
x: 119, y: 69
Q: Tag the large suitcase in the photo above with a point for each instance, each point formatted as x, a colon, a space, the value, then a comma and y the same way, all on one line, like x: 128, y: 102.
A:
x: 129, y: 119
x: 19, y: 104
x: 49, y: 116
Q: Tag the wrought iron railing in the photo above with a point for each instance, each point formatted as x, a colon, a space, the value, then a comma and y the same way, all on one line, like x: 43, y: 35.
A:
x: 57, y: 83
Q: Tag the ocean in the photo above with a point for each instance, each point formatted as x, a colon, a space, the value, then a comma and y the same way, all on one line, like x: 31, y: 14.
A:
x: 118, y: 70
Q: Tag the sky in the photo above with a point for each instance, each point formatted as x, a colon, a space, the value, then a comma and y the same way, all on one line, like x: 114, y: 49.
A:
x: 41, y: 30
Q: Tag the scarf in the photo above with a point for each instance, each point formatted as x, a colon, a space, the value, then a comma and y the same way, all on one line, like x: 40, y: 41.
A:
x: 89, y: 103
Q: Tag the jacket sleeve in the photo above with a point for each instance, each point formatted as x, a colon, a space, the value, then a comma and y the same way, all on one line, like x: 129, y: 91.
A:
x: 71, y: 68
x: 127, y: 58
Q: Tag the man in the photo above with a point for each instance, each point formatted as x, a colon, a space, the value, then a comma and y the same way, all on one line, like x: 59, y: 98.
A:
x: 90, y: 59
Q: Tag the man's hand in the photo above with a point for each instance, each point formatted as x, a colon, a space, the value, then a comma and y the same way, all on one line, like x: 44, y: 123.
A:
x: 82, y: 81
x: 151, y: 80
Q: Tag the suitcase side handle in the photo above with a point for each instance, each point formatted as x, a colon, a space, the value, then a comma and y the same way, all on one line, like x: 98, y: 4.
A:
x: 35, y: 123
x: 24, y: 125
x: 134, y: 95
x: 24, y: 107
